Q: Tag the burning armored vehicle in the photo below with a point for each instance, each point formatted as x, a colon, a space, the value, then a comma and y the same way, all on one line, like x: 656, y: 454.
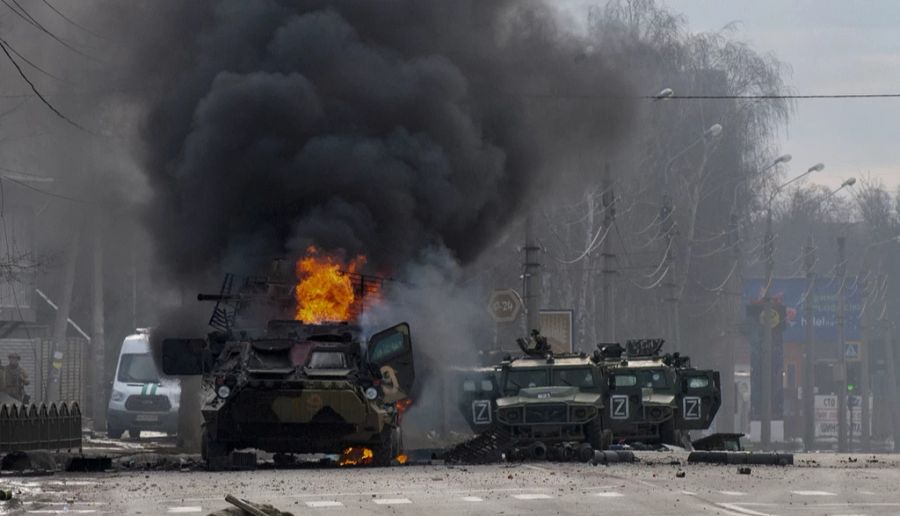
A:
x: 293, y: 386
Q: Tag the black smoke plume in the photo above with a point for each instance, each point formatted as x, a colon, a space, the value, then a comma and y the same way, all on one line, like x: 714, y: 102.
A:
x: 375, y: 127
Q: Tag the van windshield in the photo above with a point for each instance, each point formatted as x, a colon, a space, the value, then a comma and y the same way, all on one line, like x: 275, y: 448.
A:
x: 138, y: 369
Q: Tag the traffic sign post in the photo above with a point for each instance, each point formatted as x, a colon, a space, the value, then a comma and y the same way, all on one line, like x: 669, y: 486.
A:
x: 504, y: 305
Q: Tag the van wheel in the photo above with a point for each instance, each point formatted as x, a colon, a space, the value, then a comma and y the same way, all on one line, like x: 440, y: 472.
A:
x: 114, y: 433
x: 134, y: 434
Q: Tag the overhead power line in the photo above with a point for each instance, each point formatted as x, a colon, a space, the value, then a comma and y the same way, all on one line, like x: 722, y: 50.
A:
x: 35, y: 66
x: 45, y: 192
x: 73, y: 22
x: 778, y: 97
x: 6, y: 50
x: 23, y: 14
x: 656, y: 98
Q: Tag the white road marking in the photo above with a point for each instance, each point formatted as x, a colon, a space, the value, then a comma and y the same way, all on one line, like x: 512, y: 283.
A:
x: 689, y: 493
x: 71, y: 511
x: 32, y: 502
x: 185, y: 509
x: 734, y: 507
x: 391, y: 501
x: 733, y: 493
x: 536, y: 468
x: 532, y: 496
x: 323, y: 503
x: 609, y: 494
x: 813, y: 493
x: 472, y: 499
x: 502, y: 490
x: 870, y: 493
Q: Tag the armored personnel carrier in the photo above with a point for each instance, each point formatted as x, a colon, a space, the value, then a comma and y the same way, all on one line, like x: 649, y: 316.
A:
x: 292, y: 387
x: 539, y: 405
x: 655, y: 398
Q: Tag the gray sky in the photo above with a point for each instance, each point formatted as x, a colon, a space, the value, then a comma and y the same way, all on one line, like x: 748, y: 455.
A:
x: 832, y: 46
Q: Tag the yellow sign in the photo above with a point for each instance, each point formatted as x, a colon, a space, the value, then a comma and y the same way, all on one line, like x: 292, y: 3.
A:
x: 774, y: 317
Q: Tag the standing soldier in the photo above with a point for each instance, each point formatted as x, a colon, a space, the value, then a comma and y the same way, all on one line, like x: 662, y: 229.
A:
x: 16, y: 378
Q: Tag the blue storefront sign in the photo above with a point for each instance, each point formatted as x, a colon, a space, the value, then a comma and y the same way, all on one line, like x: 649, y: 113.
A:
x: 793, y: 293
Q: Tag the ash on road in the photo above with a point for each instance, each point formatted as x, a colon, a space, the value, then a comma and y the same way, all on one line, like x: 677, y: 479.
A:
x: 818, y: 484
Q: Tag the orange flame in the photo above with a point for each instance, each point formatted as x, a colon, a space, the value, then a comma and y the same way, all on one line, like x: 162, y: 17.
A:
x: 403, y: 405
x: 324, y: 291
x: 356, y: 456
x: 402, y: 458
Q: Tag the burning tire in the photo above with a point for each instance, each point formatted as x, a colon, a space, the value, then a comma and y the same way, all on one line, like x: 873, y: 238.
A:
x: 391, y: 447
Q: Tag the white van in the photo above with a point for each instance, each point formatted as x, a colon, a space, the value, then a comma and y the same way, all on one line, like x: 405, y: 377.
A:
x: 141, y: 399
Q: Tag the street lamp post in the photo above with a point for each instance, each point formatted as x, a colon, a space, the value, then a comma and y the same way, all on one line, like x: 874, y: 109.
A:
x: 666, y: 213
x: 867, y: 323
x: 841, y: 373
x: 768, y: 312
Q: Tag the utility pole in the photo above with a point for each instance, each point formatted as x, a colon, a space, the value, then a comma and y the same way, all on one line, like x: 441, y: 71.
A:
x: 667, y: 227
x: 889, y: 355
x: 864, y: 430
x: 98, y: 343
x: 58, y: 343
x: 809, y: 358
x: 531, y: 278
x: 726, y: 364
x: 609, y: 258
x: 841, y: 373
x: 767, y: 322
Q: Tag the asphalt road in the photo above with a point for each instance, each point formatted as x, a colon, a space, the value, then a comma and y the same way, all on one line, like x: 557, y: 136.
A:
x: 818, y: 484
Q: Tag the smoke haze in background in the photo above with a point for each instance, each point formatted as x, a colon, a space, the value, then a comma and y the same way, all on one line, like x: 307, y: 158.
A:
x: 377, y: 128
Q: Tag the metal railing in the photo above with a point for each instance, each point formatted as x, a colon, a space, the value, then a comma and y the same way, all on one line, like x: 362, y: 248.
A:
x: 40, y: 427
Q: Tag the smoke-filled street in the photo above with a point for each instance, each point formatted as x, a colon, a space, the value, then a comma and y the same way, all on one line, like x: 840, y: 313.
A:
x: 269, y: 257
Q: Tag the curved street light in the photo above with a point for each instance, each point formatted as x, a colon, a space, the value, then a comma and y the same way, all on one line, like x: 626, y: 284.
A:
x: 818, y: 167
x: 713, y: 131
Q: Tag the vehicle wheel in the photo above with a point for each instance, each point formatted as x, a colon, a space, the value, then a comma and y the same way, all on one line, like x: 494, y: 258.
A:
x: 668, y: 434
x: 134, y: 434
x: 114, y: 433
x: 390, y: 446
x: 213, y: 452
x: 607, y: 439
x: 596, y: 436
